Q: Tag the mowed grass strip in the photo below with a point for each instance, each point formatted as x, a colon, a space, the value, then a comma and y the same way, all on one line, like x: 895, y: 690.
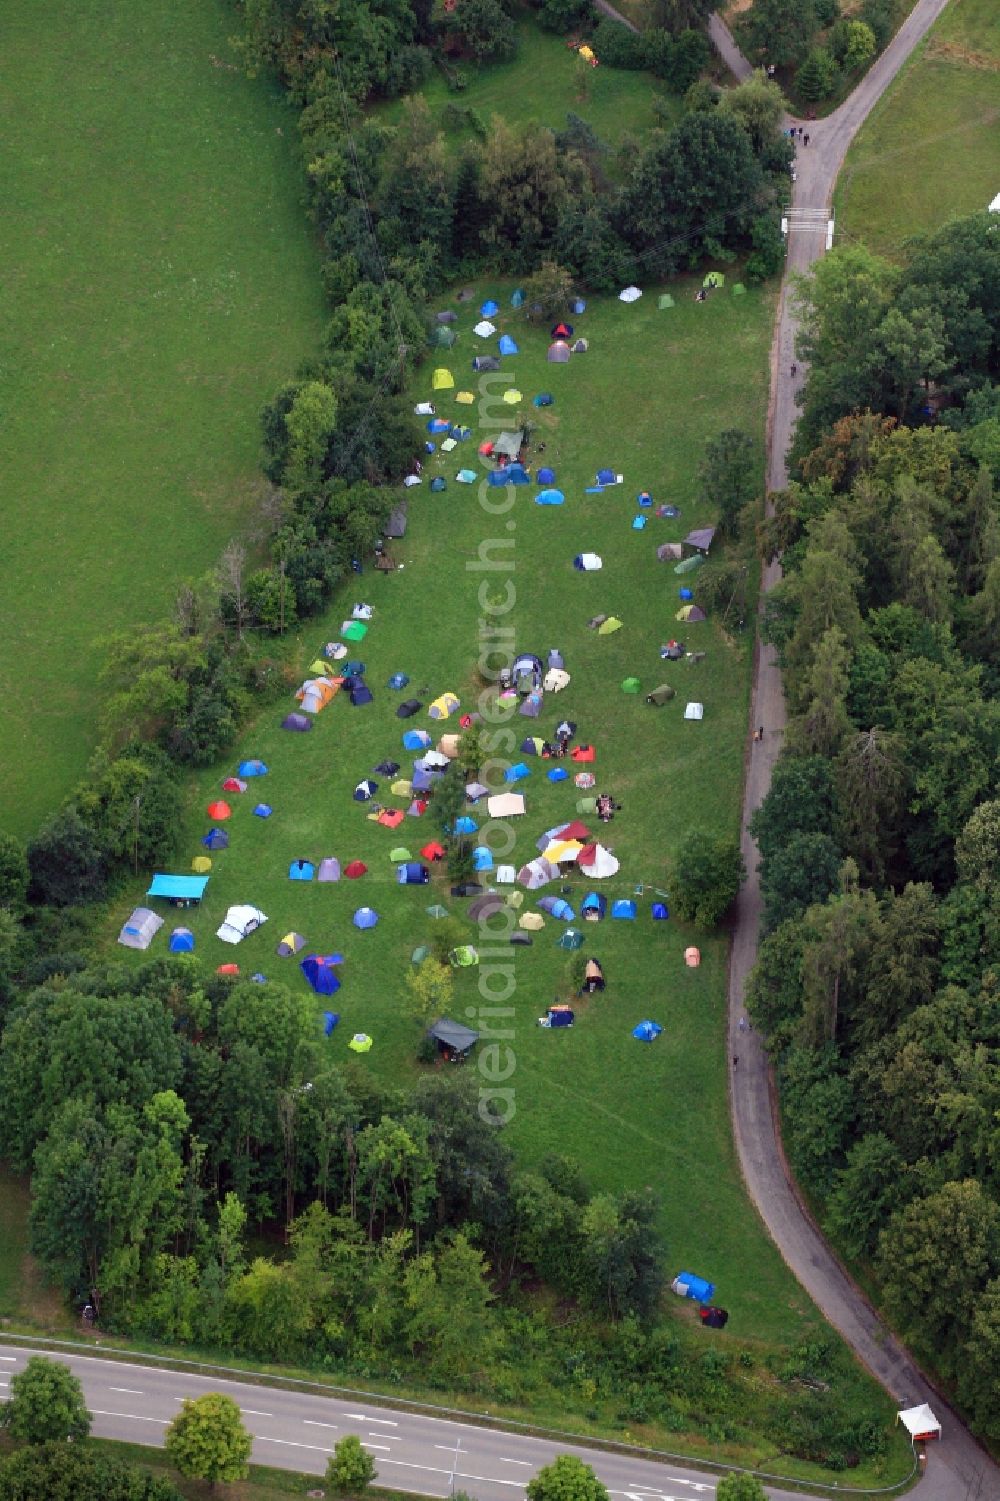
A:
x: 546, y: 82
x: 652, y: 388
x: 928, y: 152
x: 159, y: 284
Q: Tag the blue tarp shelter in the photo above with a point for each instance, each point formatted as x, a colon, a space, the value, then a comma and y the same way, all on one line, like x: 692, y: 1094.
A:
x: 413, y: 874
x: 301, y: 870
x: 216, y: 839
x: 321, y: 972
x: 181, y: 941
x: 624, y: 908
x: 687, y: 1285
x: 179, y: 888
x: 646, y: 1031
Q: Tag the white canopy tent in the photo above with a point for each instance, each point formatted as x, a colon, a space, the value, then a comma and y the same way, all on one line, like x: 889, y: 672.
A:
x: 919, y: 1422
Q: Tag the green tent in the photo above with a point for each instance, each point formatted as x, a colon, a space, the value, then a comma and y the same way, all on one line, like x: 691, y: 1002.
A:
x: 571, y: 940
x: 360, y: 1043
x: 354, y: 630
x: 399, y: 854
x: 690, y: 564
x: 463, y: 957
x: 665, y: 301
x: 714, y: 279
x: 442, y: 337
x: 738, y: 289
x: 609, y: 626
x: 586, y: 805
x: 631, y: 685
x: 661, y: 695
x: 420, y: 953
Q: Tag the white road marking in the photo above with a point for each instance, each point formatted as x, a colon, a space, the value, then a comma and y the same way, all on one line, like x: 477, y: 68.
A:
x: 505, y: 1461
x: 9, y: 1359
x: 129, y: 1391
x: 391, y: 1436
x: 362, y: 1417
x: 408, y: 1464
x: 289, y: 1443
x: 449, y: 1448
x: 366, y: 1445
x: 133, y: 1417
x: 315, y: 1423
x: 252, y: 1412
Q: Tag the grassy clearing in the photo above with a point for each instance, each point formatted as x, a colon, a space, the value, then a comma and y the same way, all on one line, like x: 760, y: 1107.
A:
x: 23, y: 1293
x: 544, y: 83
x: 653, y: 387
x: 928, y: 151
x: 159, y: 284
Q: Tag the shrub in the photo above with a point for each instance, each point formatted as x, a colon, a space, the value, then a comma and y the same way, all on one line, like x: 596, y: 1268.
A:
x: 618, y: 47
x: 708, y: 871
x: 562, y: 16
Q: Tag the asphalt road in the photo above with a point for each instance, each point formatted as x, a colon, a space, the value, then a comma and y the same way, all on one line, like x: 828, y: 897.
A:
x: 958, y: 1469
x: 296, y: 1430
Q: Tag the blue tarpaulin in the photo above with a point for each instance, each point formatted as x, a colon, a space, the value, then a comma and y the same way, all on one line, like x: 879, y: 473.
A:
x: 179, y: 888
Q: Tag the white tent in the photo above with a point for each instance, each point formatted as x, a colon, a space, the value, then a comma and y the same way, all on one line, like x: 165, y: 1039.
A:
x: 590, y: 562
x: 505, y: 805
x: 240, y: 922
x: 411, y: 480
x: 603, y: 865
x: 537, y: 873
x: 139, y: 930
x: 994, y: 207
x: 484, y: 328
x: 630, y: 294
x: 505, y: 875
x: 694, y: 711
x: 555, y: 680
x: 919, y: 1422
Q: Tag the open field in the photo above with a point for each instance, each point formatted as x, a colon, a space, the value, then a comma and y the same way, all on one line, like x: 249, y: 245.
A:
x: 654, y: 386
x: 544, y: 83
x: 159, y: 283
x: 928, y: 151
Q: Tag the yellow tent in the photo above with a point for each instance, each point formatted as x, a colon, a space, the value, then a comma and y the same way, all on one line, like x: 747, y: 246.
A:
x: 442, y: 380
x: 442, y: 707
x: 402, y: 788
x: 562, y: 851
x: 532, y: 921
x: 512, y: 397
x: 465, y: 397
x: 201, y: 864
x: 448, y: 746
x: 609, y: 626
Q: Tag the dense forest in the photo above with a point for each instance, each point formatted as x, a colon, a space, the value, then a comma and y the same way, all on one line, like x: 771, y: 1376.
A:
x: 877, y: 983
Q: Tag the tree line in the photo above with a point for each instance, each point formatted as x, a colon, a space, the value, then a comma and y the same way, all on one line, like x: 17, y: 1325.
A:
x: 879, y: 839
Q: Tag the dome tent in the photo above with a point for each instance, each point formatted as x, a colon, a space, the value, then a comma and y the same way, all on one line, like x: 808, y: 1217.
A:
x: 320, y: 971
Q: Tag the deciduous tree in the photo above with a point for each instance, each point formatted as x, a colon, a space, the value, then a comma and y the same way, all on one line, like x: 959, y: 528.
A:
x: 207, y: 1440
x: 46, y: 1403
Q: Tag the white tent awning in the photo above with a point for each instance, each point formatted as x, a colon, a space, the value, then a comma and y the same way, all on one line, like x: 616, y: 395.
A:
x: 920, y: 1422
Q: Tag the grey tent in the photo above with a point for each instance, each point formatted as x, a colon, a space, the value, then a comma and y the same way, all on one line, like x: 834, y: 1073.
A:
x: 661, y: 695
x: 508, y: 445
x: 452, y: 1037
x: 669, y: 552
x: 559, y: 353
x: 485, y: 362
x: 581, y: 346
x: 701, y: 538
x: 447, y: 316
x: 485, y: 906
x: 396, y: 524
x: 442, y: 337
x: 139, y: 930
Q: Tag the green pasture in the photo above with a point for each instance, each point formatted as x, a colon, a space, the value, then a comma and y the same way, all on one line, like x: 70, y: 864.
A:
x: 928, y: 152
x: 545, y: 82
x: 653, y: 387
x: 159, y: 283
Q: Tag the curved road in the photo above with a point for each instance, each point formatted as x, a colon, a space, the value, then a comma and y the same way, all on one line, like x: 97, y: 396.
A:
x: 958, y: 1469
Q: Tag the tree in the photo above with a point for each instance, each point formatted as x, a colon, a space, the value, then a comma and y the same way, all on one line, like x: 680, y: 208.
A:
x: 781, y: 30
x: 207, y: 1440
x: 935, y: 1259
x: 46, y: 1403
x: 867, y: 1191
x: 817, y: 77
x: 805, y: 870
x: 547, y: 294
x: 430, y: 988
x: 708, y: 871
x: 57, y: 1472
x: 838, y: 933
x: 744, y: 1487
x: 350, y: 1469
x: 484, y: 28
x: 67, y: 861
x: 800, y: 800
x: 13, y: 874
x: 870, y: 778
x: 977, y: 851
x: 823, y: 725
x: 566, y: 1479
x: 448, y: 1299
x: 730, y: 477
x: 759, y: 105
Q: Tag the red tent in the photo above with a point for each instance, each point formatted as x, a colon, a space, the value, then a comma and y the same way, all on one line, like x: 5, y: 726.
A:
x: 583, y: 753
x: 574, y: 830
x: 433, y: 851
x: 391, y: 818
x: 355, y: 869
x: 218, y: 811
x: 233, y: 784
x: 228, y: 969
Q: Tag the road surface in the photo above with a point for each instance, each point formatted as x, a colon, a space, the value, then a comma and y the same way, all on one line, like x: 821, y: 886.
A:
x: 297, y: 1430
x: 958, y: 1470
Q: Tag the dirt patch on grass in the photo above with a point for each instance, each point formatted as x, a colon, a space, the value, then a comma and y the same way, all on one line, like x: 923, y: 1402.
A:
x: 953, y: 52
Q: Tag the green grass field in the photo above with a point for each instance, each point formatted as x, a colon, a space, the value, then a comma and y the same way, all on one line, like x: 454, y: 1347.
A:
x: 654, y: 386
x: 928, y: 152
x: 159, y: 283
x: 544, y: 83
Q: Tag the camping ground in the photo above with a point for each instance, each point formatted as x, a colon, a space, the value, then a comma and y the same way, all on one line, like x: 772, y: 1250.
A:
x: 160, y: 284
x: 900, y: 177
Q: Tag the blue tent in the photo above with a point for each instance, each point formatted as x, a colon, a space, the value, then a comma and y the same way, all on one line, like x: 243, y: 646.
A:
x: 252, y: 769
x: 659, y: 912
x: 360, y: 694
x: 413, y: 874
x: 439, y: 483
x: 439, y: 425
x: 320, y: 971
x: 686, y: 593
x: 365, y: 918
x: 330, y: 1020
x: 461, y: 433
x: 514, y: 474
x: 578, y: 306
x: 517, y: 298
x: 263, y: 810
x: 490, y: 308
x: 546, y: 476
x: 507, y: 345
x: 646, y: 1031
x: 364, y: 790
x: 625, y: 909
x: 690, y: 1286
x: 465, y: 825
x: 416, y: 740
x: 594, y: 903
x: 638, y: 523
x: 516, y: 773
x: 301, y: 870
x: 354, y: 670
x: 482, y: 858
x: 429, y: 447
x: 544, y: 399
x: 559, y: 1017
x: 259, y: 979
x: 300, y: 722
x: 605, y: 476
x: 398, y: 680
x: 422, y: 780
x: 181, y: 941
x: 549, y: 498
x: 557, y: 908
x: 216, y: 839
x: 558, y: 774
x: 178, y: 888
x: 572, y: 939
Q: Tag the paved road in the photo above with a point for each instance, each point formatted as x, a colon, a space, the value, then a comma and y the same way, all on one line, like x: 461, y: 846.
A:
x: 297, y: 1430
x: 958, y: 1470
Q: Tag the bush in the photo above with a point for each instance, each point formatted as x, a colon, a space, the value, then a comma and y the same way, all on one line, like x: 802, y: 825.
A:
x: 827, y: 11
x: 67, y: 862
x: 562, y: 16
x: 708, y: 871
x: 618, y: 47
x: 408, y: 70
x: 881, y: 16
